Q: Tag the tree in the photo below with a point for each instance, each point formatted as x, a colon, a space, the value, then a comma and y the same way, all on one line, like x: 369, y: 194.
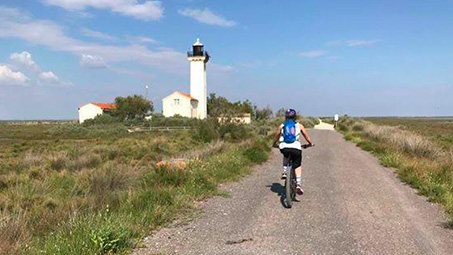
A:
x: 280, y: 113
x: 132, y: 107
x: 220, y: 106
x: 263, y: 114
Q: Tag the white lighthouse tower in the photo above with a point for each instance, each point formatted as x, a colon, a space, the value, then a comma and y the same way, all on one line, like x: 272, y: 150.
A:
x: 198, y: 83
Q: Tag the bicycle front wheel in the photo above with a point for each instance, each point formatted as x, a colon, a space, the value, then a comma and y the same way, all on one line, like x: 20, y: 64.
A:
x: 289, y: 189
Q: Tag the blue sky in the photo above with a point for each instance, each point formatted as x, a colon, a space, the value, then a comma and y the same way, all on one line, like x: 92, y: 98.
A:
x: 320, y: 57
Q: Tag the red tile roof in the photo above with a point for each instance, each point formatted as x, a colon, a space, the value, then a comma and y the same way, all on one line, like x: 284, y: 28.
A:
x: 105, y: 106
x: 188, y: 96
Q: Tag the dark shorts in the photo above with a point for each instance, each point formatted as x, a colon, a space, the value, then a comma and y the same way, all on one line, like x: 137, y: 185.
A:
x: 295, y: 154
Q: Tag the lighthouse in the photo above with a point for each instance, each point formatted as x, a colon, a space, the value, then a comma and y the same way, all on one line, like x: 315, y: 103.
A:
x: 198, y: 59
x: 193, y: 105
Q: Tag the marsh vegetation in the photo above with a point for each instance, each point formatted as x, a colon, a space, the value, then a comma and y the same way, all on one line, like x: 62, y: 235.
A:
x: 96, y: 188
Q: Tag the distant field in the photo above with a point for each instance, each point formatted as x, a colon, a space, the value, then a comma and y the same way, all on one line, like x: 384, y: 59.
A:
x: 438, y: 129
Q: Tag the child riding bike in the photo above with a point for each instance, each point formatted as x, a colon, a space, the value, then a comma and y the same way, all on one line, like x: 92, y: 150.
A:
x: 288, y: 134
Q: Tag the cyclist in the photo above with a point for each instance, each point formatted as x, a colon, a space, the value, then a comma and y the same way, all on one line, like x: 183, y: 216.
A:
x: 289, y: 135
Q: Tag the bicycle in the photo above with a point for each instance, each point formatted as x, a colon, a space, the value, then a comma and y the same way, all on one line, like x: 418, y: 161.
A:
x: 291, y: 183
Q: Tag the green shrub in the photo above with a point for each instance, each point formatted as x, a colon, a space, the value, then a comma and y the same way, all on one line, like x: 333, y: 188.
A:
x: 77, y: 131
x: 390, y: 159
x: 233, y: 132
x: 206, y: 130
x: 357, y: 127
x: 101, y: 119
x: 257, y: 153
x: 108, y: 240
x: 343, y: 127
x: 158, y: 120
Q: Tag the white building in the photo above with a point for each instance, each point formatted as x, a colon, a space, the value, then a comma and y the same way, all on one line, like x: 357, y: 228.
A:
x: 178, y: 103
x: 91, y: 110
x: 195, y: 104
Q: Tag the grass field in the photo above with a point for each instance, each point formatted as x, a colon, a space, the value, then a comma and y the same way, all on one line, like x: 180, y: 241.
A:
x: 439, y: 130
x: 72, y: 189
x: 420, y: 149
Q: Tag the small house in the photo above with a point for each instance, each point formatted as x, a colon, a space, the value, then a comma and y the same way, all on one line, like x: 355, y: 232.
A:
x: 91, y: 110
x: 182, y: 104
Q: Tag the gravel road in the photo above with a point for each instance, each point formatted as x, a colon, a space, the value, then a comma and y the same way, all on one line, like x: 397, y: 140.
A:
x: 351, y: 205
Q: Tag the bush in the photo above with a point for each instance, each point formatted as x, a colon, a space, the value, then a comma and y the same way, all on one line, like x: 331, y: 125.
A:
x: 309, y: 122
x: 132, y: 107
x: 257, y: 153
x: 233, y: 132
x: 206, y: 130
x: 158, y: 120
x: 77, y: 131
x: 357, y: 127
x: 101, y: 119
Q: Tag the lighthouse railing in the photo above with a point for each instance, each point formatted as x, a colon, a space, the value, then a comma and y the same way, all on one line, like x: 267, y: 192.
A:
x: 197, y: 54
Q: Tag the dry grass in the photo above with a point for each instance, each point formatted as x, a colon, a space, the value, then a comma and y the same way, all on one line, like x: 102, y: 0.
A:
x: 406, y: 141
x: 12, y: 233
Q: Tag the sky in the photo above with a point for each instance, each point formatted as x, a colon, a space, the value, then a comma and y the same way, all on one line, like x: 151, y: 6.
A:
x: 362, y: 58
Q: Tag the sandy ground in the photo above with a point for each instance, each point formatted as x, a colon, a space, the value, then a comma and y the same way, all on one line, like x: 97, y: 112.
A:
x: 351, y: 205
x: 324, y: 126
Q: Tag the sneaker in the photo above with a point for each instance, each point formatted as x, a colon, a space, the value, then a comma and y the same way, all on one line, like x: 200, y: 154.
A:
x: 299, y: 190
x: 283, y: 175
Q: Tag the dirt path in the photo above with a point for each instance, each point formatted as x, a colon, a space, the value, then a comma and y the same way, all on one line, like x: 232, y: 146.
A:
x: 324, y: 126
x: 352, y: 205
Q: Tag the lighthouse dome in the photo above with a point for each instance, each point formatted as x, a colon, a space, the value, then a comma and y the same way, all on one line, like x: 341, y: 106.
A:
x: 198, y: 43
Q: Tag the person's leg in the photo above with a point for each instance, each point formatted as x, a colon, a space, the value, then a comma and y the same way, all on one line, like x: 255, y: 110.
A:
x: 285, y: 163
x: 298, y: 171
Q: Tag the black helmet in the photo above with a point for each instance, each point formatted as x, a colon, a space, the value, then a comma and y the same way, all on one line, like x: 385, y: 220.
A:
x: 290, y: 114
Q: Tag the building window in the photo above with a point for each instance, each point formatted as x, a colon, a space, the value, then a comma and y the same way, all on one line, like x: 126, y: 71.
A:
x: 176, y: 101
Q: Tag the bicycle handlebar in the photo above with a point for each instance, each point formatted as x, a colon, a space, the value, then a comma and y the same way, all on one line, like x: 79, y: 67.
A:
x: 306, y: 146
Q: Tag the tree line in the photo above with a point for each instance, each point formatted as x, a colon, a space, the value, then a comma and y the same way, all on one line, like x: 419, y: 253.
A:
x: 137, y: 107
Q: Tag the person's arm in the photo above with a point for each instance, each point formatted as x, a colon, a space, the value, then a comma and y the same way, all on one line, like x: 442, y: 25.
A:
x: 278, y: 134
x: 305, y: 134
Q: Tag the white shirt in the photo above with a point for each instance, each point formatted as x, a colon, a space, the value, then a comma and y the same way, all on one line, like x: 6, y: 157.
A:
x: 296, y: 144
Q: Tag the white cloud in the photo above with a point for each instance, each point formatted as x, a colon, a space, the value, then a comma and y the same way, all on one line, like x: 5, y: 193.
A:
x: 97, y: 34
x: 358, y: 43
x: 142, y: 39
x: 221, y: 68
x: 313, y: 53
x: 49, y: 34
x: 9, y: 77
x: 92, y: 61
x: 206, y: 16
x: 353, y: 43
x: 149, y: 10
x: 24, y: 60
x: 49, y: 77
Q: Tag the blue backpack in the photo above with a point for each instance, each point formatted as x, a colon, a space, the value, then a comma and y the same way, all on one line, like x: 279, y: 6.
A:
x: 289, y: 131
